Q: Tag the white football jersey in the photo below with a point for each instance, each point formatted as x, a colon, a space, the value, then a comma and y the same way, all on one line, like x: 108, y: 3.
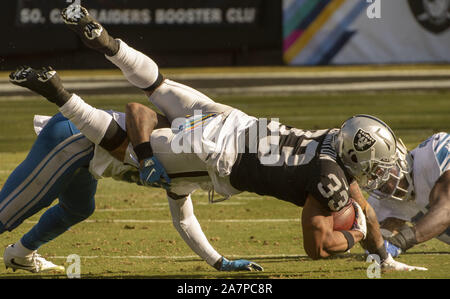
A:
x: 431, y: 160
x: 190, y: 170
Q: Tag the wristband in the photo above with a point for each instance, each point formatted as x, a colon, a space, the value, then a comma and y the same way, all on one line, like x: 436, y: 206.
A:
x: 405, y: 239
x: 143, y: 151
x: 218, y: 264
x: 350, y: 239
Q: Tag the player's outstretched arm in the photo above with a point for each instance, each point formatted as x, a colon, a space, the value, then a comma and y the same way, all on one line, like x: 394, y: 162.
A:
x: 433, y: 223
x: 375, y: 238
x: 374, y: 242
x: 140, y: 122
x: 190, y: 230
x: 97, y: 125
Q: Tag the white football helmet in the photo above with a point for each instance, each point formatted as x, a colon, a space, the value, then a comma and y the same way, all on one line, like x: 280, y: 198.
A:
x: 399, y: 185
x: 367, y: 148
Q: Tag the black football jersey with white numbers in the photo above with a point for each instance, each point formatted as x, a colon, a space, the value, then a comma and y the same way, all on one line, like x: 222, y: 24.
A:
x: 289, y: 163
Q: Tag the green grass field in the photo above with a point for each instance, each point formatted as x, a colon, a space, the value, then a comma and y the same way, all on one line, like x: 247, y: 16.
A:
x: 131, y: 236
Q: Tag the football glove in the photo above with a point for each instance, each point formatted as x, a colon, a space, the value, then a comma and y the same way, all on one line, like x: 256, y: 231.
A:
x: 153, y: 174
x: 391, y: 264
x: 44, y: 82
x: 393, y: 250
x: 239, y: 265
x: 360, y: 220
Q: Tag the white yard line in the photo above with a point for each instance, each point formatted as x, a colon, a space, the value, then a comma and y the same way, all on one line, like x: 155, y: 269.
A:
x: 339, y: 87
x: 170, y: 221
x: 278, y: 74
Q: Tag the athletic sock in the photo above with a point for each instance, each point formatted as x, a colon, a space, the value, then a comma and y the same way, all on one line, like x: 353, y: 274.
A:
x: 21, y: 250
x: 92, y: 122
x: 139, y: 69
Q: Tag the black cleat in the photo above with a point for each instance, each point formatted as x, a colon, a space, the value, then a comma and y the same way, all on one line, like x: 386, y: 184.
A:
x: 44, y: 82
x: 92, y: 34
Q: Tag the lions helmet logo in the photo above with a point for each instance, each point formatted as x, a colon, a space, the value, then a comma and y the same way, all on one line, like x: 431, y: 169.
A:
x: 363, y: 141
x: 433, y: 15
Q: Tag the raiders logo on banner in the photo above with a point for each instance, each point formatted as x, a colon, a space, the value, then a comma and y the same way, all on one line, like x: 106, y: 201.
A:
x: 433, y: 15
x: 363, y: 141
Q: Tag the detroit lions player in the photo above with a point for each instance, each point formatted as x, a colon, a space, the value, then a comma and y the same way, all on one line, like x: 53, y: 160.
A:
x: 64, y: 164
x: 418, y: 191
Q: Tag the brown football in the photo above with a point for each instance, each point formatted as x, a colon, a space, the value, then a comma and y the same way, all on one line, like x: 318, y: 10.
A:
x: 344, y: 218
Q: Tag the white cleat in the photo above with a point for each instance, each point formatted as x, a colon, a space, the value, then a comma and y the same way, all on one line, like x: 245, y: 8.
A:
x: 34, y: 263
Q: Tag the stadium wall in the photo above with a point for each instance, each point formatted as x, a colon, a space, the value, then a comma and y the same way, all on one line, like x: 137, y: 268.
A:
x: 234, y: 32
x: 173, y: 32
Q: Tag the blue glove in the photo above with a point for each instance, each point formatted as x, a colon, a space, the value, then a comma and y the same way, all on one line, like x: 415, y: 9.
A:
x: 153, y: 174
x: 393, y: 250
x: 239, y: 265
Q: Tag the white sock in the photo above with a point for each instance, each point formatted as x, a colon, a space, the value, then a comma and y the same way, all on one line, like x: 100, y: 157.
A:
x: 138, y: 68
x: 92, y: 122
x: 21, y: 250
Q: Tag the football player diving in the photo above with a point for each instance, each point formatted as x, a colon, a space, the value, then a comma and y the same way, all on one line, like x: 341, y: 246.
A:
x: 417, y: 191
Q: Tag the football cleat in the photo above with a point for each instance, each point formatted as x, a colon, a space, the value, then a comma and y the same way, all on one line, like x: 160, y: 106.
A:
x: 44, y: 81
x: 92, y: 34
x: 34, y: 263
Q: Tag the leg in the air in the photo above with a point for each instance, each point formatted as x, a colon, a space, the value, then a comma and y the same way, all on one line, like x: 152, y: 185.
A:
x: 175, y: 100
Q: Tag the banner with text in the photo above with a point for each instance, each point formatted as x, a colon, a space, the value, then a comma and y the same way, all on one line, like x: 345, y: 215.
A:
x: 180, y: 33
x: 149, y: 13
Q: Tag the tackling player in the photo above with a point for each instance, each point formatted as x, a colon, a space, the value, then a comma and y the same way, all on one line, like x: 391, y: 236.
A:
x: 417, y: 191
x: 64, y: 164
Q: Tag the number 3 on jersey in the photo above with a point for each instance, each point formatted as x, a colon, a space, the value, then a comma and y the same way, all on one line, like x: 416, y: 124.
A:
x: 332, y: 189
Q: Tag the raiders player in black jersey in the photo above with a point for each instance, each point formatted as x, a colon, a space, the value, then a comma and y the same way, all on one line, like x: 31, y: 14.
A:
x: 304, y: 168
x: 307, y: 168
x: 318, y: 170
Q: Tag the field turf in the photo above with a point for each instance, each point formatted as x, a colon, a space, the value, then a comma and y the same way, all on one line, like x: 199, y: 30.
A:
x: 131, y: 235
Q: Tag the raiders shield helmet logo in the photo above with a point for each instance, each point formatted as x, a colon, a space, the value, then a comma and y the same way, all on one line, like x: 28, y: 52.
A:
x: 363, y: 141
x: 433, y: 15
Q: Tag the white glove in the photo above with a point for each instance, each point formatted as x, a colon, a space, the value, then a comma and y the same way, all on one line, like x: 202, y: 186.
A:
x: 391, y: 264
x: 360, y: 220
